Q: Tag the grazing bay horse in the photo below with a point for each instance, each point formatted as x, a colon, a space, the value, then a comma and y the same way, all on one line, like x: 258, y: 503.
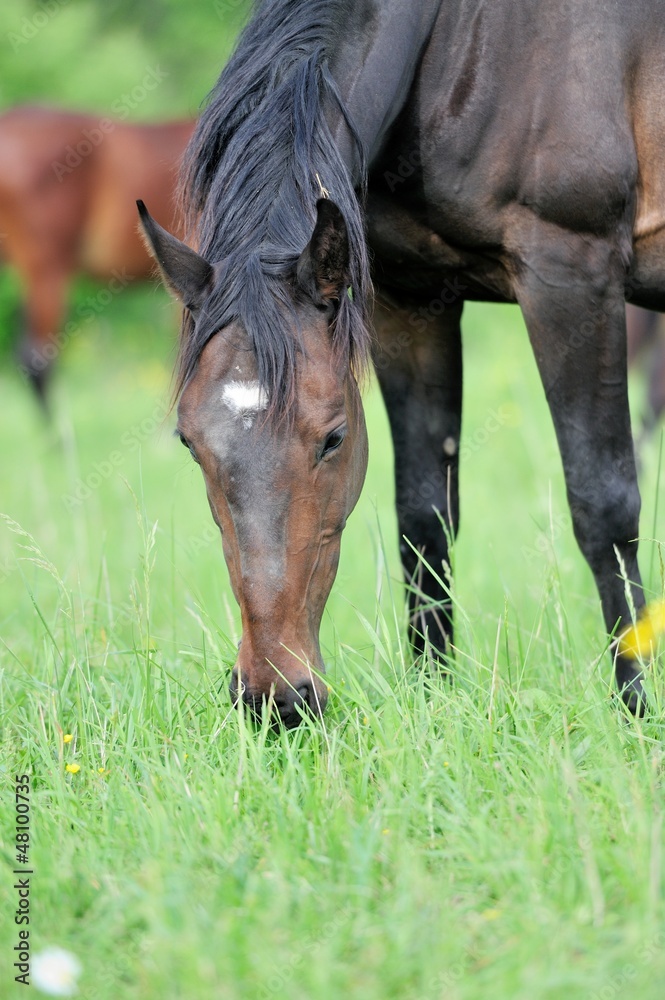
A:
x: 68, y: 183
x: 506, y: 151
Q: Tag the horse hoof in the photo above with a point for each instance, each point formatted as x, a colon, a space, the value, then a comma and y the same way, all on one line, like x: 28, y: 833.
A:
x: 633, y: 697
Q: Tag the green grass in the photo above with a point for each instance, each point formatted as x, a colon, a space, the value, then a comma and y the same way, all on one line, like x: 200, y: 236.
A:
x: 498, y: 837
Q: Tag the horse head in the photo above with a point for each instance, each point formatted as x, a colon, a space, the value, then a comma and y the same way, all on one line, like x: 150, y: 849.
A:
x: 281, y: 484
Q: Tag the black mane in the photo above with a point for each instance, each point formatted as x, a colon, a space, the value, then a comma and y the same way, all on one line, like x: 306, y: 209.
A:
x: 249, y: 189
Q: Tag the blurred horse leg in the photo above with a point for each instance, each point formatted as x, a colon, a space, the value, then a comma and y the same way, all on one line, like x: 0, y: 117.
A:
x: 646, y: 337
x: 656, y: 374
x: 46, y: 291
x: 640, y: 330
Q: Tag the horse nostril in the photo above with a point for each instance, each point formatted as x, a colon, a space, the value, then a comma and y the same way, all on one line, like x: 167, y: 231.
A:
x: 288, y: 706
x: 293, y: 705
x: 305, y: 694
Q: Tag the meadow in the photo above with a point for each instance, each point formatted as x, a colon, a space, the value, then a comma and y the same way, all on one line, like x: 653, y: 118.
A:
x: 498, y: 835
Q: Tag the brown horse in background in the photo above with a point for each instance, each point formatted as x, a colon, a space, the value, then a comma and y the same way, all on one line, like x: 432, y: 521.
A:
x: 68, y: 187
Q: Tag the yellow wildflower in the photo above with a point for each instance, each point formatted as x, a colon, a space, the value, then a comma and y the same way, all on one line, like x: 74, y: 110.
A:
x: 102, y: 770
x: 73, y: 768
x: 67, y: 738
x: 365, y: 720
x: 638, y: 640
x: 490, y: 914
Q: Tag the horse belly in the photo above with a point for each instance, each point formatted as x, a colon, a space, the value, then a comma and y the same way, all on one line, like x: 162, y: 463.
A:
x: 111, y: 243
x: 131, y: 166
x: 409, y: 254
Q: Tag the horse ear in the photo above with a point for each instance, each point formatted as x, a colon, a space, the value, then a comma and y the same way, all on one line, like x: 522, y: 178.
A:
x: 185, y: 272
x: 323, y: 269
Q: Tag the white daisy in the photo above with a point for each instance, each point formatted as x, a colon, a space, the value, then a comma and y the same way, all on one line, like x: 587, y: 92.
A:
x: 55, y: 971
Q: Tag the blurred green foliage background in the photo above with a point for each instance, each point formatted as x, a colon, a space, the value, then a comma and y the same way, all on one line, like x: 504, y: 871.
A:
x: 84, y: 54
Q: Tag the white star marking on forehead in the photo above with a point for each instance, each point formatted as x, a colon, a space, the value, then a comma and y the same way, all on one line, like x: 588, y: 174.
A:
x: 245, y: 399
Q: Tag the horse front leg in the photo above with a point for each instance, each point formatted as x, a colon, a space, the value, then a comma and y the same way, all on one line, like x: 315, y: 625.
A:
x: 571, y: 291
x: 418, y: 361
x: 46, y: 287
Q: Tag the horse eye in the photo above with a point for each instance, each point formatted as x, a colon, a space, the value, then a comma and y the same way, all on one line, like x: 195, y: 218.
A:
x: 333, y: 441
x: 183, y: 440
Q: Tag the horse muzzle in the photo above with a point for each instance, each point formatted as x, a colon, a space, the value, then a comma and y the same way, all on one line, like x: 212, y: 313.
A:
x: 290, y: 698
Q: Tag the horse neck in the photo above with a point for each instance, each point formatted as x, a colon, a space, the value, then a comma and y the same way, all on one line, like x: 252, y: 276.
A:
x: 377, y: 54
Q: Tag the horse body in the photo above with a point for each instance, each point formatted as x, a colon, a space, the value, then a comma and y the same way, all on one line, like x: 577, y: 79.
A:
x: 523, y: 117
x: 511, y: 152
x: 67, y: 190
x: 551, y: 199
